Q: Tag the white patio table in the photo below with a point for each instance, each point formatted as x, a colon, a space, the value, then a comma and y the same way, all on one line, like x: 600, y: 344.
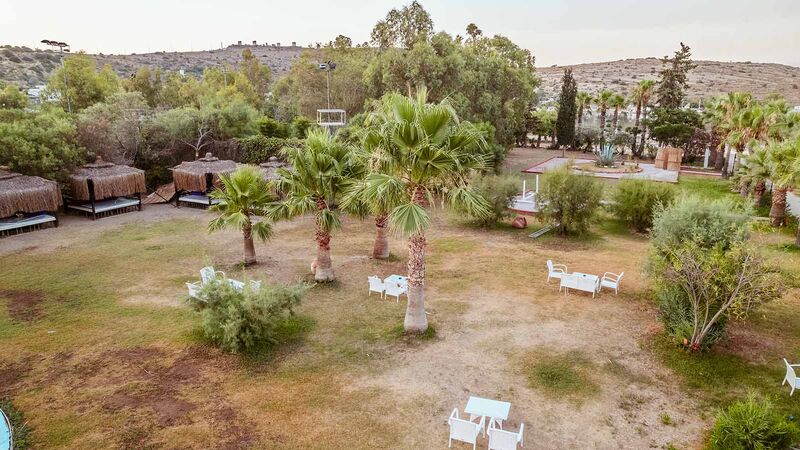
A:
x: 399, y: 279
x: 594, y: 278
x: 495, y: 410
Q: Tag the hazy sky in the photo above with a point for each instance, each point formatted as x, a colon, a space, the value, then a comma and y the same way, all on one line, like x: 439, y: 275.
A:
x: 556, y: 32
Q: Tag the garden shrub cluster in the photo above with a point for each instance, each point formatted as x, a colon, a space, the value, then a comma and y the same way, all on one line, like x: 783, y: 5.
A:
x: 258, y: 149
x: 570, y: 200
x: 752, y: 423
x: 499, y: 191
x: 635, y: 201
x: 239, y: 321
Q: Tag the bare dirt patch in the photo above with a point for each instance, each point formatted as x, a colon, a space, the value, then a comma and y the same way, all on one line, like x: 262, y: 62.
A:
x: 23, y: 305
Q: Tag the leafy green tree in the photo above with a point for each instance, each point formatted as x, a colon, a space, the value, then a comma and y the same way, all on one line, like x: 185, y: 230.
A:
x: 403, y: 27
x: 244, y: 196
x: 565, y: 121
x: 114, y: 129
x: 148, y: 84
x: 269, y: 127
x: 12, y: 98
x: 342, y: 42
x: 258, y: 75
x: 474, y: 32
x: 84, y: 85
x: 570, y: 200
x: 320, y: 173
x: 419, y: 149
x: 674, y: 127
x: 236, y: 119
x: 187, y: 125
x: 674, y: 79
x: 42, y: 144
x: 544, y: 124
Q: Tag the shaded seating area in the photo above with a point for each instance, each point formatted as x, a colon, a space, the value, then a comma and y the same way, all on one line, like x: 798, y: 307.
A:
x: 194, y: 180
x: 27, y: 203
x: 102, y: 188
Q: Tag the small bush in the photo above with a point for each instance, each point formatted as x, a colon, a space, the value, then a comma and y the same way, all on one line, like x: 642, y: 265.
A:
x: 271, y: 128
x: 499, y: 191
x: 752, y: 424
x: 706, y: 223
x: 300, y: 126
x: 570, y: 200
x: 258, y: 149
x: 239, y: 321
x: 635, y: 202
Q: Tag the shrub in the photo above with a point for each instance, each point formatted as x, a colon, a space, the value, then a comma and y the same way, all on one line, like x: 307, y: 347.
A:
x: 635, y: 201
x: 19, y: 425
x: 300, y: 126
x: 238, y: 321
x: 271, y: 128
x: 499, y: 191
x: 570, y: 200
x: 707, y: 223
x: 258, y: 149
x: 752, y: 424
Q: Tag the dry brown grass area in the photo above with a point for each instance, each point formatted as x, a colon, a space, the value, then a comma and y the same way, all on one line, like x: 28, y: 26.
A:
x: 115, y: 360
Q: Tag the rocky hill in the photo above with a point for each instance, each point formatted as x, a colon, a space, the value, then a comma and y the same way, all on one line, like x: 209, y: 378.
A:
x: 708, y: 79
x: 27, y: 68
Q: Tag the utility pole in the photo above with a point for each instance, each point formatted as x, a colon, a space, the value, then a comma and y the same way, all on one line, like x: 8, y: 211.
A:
x: 328, y: 67
x: 62, y: 47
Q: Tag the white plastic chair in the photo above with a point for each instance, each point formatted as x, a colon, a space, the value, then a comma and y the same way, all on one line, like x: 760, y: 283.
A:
x: 464, y: 430
x: 395, y: 290
x: 505, y: 440
x: 375, y: 285
x: 791, y: 376
x: 208, y: 274
x: 555, y: 270
x: 611, y: 281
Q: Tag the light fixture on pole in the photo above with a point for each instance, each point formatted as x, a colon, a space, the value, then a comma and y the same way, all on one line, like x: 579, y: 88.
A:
x: 63, y: 47
x: 328, y: 67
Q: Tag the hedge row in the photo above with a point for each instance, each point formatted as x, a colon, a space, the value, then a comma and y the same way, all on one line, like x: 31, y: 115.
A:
x: 258, y: 149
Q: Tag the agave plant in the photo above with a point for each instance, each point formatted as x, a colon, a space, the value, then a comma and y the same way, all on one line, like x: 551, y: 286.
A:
x: 605, y: 156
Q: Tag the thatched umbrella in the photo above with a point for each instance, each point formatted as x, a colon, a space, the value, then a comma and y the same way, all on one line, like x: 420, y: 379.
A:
x: 270, y: 168
x: 20, y: 193
x: 194, y: 176
x: 101, y: 180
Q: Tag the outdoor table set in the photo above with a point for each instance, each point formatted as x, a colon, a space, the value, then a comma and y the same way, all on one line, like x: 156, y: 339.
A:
x: 393, y: 285
x: 582, y: 281
x: 483, y: 410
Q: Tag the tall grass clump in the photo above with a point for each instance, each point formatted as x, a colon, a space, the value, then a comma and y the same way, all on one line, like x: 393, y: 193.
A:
x: 635, y: 202
x: 752, y: 424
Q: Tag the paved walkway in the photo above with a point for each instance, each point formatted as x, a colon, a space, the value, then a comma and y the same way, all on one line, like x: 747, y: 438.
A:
x: 649, y: 171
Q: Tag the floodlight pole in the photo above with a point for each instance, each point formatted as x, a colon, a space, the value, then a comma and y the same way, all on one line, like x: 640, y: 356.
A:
x: 328, y: 77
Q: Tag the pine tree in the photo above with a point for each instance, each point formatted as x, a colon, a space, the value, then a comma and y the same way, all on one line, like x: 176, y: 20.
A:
x: 674, y: 78
x: 565, y: 121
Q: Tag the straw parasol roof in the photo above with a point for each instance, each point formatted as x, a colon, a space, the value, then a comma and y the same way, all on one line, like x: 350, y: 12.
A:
x: 270, y: 168
x: 109, y: 179
x: 20, y: 193
x: 190, y: 176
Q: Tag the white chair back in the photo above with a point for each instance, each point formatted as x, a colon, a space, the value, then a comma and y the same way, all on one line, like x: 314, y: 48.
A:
x: 393, y: 289
x: 790, y: 374
x: 504, y: 440
x: 549, y: 265
x: 619, y: 278
x: 463, y: 430
x: 207, y: 274
x: 375, y: 284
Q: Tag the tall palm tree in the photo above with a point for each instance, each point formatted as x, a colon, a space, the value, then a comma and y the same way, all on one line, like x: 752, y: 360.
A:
x: 757, y: 172
x: 784, y: 164
x: 244, y: 196
x: 728, y: 115
x: 421, y: 150
x: 320, y: 173
x: 641, y: 98
x: 583, y: 100
x: 603, y: 99
x: 617, y: 102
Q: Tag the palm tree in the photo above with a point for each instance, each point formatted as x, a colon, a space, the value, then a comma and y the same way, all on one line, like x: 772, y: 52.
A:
x: 757, y: 172
x: 617, y: 102
x: 728, y: 115
x: 603, y: 99
x: 784, y: 165
x: 641, y: 98
x: 583, y: 100
x: 419, y: 150
x: 320, y: 173
x: 243, y: 197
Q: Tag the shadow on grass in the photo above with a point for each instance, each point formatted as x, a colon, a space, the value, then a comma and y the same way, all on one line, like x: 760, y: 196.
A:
x: 398, y: 333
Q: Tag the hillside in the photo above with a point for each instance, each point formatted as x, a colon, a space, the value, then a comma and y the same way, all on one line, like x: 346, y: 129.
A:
x: 27, y: 68
x: 708, y: 79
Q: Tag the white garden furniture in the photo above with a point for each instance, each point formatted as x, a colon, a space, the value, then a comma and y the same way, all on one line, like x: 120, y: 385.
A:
x: 395, y: 290
x: 375, y: 285
x: 495, y: 410
x: 579, y: 281
x: 209, y: 275
x: 555, y: 270
x: 791, y: 376
x: 505, y: 440
x: 464, y: 430
x: 611, y: 280
x: 399, y: 279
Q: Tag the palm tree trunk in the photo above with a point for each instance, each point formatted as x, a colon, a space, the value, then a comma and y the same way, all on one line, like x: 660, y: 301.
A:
x: 415, y: 321
x: 323, y: 269
x: 644, y: 131
x: 580, y: 115
x: 249, y: 247
x: 744, y: 188
x: 602, y: 125
x: 758, y: 192
x: 726, y: 161
x: 380, y: 250
x: 615, y: 118
x: 635, y: 147
x: 777, y: 213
